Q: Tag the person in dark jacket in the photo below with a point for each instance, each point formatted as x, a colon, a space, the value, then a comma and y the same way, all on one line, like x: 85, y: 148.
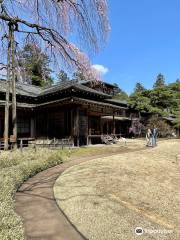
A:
x: 154, y: 136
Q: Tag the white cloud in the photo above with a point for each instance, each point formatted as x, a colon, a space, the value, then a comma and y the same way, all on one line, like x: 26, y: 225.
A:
x: 100, y: 69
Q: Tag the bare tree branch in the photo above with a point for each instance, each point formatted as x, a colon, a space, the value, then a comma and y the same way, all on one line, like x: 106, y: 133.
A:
x: 2, y: 67
x: 49, y: 22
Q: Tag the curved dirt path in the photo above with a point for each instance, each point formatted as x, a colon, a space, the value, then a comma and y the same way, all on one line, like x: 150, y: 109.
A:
x: 36, y: 204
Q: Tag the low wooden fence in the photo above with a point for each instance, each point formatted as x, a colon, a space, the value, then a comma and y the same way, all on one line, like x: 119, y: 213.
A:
x: 40, y: 143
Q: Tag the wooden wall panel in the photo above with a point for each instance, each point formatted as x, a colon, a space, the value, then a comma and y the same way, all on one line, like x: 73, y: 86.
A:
x: 83, y: 123
x: 56, y: 124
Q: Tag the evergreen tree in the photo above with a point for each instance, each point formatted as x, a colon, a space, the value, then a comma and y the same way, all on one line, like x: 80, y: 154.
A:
x: 160, y: 82
x: 139, y: 88
x: 140, y: 102
x: 177, y: 118
x: 175, y: 87
x: 34, y: 66
x: 163, y: 98
x: 120, y: 94
x: 63, y: 77
x: 79, y: 76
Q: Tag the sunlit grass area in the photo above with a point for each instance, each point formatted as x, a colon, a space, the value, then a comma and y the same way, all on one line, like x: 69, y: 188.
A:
x: 15, y: 168
x: 99, y: 149
x: 121, y: 192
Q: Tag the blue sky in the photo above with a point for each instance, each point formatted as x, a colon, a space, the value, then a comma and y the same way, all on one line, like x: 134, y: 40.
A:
x: 144, y: 41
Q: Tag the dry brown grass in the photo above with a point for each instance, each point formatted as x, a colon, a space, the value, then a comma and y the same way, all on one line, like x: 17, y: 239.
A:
x: 108, y: 198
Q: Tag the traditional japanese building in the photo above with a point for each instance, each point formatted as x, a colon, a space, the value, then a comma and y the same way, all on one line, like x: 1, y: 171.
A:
x: 83, y: 111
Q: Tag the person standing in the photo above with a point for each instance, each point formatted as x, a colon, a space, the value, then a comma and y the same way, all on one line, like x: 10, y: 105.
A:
x: 155, y: 134
x: 149, y: 138
x: 131, y: 132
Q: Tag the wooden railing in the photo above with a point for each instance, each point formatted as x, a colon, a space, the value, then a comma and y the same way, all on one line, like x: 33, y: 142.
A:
x: 54, y: 143
x: 42, y: 143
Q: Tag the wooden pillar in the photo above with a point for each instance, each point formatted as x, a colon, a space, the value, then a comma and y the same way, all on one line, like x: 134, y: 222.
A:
x: 47, y: 124
x: 0, y: 128
x: 32, y: 128
x: 178, y: 132
x: 101, y: 126
x: 72, y: 126
x: 107, y: 127
x: 76, y: 126
x: 89, y: 130
x: 114, y: 125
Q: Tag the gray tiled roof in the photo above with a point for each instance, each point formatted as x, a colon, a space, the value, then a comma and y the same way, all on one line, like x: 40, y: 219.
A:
x: 34, y: 91
x: 99, y: 103
x: 71, y: 84
x: 27, y: 89
x: 22, y: 89
x: 84, y: 82
x: 120, y: 102
x: 66, y: 100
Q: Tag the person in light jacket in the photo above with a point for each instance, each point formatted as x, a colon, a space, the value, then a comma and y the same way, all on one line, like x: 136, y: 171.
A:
x: 149, y: 138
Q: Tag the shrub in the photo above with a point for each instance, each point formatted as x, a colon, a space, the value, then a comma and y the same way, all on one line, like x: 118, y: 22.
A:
x: 164, y: 129
x: 15, y: 168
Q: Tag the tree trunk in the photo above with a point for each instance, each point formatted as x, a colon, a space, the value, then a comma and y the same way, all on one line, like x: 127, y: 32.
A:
x: 6, y: 118
x: 14, y: 115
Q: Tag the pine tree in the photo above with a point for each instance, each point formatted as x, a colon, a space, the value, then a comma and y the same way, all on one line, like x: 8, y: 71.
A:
x: 160, y: 81
x: 63, y: 77
x: 34, y: 66
x: 139, y: 88
x: 78, y: 76
x: 120, y: 94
